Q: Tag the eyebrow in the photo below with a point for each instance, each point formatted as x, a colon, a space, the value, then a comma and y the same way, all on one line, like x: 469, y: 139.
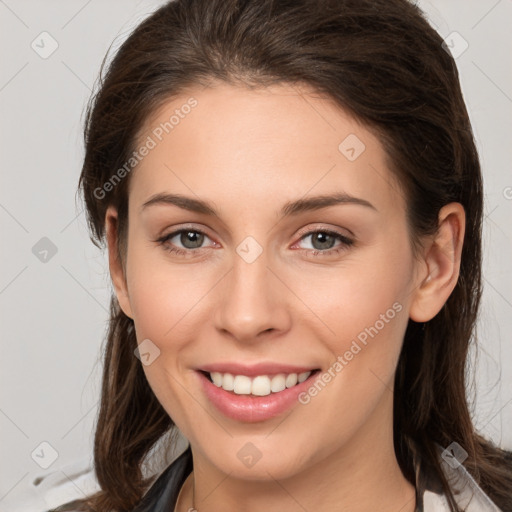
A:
x: 289, y: 209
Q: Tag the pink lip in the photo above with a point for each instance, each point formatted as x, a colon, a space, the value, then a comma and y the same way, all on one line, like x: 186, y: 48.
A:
x: 269, y: 369
x: 252, y: 409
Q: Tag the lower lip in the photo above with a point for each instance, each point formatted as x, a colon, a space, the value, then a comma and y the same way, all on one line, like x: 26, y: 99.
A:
x: 252, y: 409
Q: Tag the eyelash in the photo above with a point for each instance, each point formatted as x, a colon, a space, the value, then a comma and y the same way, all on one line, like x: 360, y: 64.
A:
x: 345, y: 242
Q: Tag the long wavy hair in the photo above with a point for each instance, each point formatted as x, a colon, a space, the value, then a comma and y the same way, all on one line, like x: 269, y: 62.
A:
x: 379, y: 60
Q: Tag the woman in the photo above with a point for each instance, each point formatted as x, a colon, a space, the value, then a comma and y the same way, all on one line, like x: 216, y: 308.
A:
x: 291, y: 198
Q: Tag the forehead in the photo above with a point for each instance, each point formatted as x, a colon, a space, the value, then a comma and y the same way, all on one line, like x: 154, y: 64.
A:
x: 229, y: 143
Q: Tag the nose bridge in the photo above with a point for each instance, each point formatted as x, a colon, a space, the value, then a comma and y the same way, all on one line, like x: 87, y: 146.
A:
x: 249, y: 303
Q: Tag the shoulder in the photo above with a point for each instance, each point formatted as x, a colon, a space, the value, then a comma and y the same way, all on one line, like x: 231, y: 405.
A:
x: 54, y: 489
x: 163, y: 493
x: 61, y: 489
x: 469, y: 496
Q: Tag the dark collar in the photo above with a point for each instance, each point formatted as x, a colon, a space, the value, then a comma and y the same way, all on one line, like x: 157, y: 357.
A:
x: 163, y: 494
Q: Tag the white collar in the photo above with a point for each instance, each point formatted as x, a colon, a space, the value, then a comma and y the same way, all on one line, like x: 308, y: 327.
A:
x: 467, y: 493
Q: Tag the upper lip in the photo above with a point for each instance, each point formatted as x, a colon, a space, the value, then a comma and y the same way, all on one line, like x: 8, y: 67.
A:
x: 268, y: 368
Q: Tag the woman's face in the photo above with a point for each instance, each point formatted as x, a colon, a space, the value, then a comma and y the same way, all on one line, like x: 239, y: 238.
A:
x: 260, y: 282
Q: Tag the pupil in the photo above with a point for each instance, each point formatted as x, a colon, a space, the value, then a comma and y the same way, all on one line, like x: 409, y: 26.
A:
x: 192, y: 237
x: 327, y: 238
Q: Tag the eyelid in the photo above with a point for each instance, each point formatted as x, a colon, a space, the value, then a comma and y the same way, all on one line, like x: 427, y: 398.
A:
x: 301, y: 233
x: 176, y: 231
x: 184, y: 227
x: 328, y: 229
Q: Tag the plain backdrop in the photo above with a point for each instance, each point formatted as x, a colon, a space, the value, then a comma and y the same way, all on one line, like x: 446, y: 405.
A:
x: 54, y: 284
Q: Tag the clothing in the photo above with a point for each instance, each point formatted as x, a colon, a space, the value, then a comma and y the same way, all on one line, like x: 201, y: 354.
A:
x: 77, y: 480
x: 162, y: 495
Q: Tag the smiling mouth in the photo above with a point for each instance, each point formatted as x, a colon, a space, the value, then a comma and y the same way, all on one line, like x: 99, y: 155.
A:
x: 259, y: 385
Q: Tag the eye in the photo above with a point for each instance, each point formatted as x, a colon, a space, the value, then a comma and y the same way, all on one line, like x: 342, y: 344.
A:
x: 190, y: 239
x: 322, y: 242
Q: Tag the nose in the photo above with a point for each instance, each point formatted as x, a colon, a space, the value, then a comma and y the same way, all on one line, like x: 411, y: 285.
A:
x: 253, y: 301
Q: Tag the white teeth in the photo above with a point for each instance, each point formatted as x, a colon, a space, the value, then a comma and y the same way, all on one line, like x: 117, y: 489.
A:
x: 216, y: 378
x: 262, y: 385
x: 278, y: 383
x: 303, y: 376
x: 228, y: 382
x: 291, y: 380
x: 242, y: 385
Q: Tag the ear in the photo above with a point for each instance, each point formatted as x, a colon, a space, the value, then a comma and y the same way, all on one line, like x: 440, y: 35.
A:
x: 441, y: 264
x: 117, y: 273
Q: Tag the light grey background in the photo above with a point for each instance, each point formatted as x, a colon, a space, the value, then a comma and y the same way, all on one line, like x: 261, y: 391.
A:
x: 54, y: 313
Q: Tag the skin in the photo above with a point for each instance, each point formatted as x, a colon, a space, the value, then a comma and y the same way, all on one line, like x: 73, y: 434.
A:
x: 248, y: 152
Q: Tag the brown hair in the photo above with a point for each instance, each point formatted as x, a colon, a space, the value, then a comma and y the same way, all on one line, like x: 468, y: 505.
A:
x: 379, y: 60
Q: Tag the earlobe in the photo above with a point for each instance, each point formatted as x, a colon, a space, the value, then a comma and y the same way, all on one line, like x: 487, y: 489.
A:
x: 442, y: 264
x: 117, y: 272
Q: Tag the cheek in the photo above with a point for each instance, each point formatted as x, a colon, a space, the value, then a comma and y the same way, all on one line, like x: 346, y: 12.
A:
x: 163, y: 295
x: 364, y: 309
x: 370, y: 289
x: 165, y: 300
x: 364, y: 335
x: 366, y: 315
